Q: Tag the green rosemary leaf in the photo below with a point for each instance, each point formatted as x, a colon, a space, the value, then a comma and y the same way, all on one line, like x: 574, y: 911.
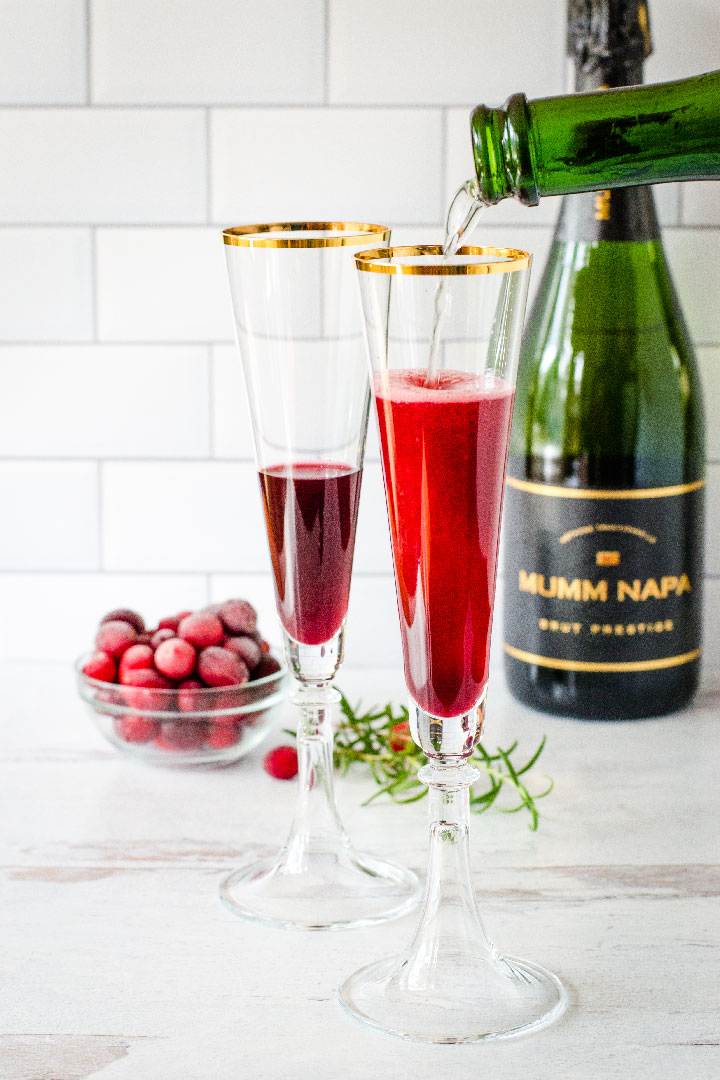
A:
x: 378, y: 740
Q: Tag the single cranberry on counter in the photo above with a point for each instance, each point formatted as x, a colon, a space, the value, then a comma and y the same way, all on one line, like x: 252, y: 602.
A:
x: 115, y: 636
x: 246, y: 648
x: 125, y: 615
x: 136, y: 658
x: 238, y: 616
x: 100, y: 666
x: 267, y: 666
x: 137, y: 729
x: 175, y: 658
x: 223, y: 734
x: 281, y: 763
x: 220, y: 667
x: 400, y: 737
x: 182, y: 735
x: 202, y: 630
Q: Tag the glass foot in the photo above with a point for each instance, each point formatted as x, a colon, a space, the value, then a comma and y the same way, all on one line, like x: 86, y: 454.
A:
x: 320, y: 890
x: 498, y: 998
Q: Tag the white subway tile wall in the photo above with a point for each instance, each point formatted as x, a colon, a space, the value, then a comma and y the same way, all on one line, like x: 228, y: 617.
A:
x: 131, y: 130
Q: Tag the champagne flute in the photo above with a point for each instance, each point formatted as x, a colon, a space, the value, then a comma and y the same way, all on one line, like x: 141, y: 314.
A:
x: 444, y: 433
x: 300, y: 336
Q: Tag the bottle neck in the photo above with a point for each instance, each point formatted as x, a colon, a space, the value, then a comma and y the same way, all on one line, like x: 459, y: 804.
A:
x: 622, y: 213
x: 592, y: 141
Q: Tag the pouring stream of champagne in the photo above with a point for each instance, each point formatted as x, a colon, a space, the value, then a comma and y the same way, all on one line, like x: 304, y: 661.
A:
x: 465, y: 210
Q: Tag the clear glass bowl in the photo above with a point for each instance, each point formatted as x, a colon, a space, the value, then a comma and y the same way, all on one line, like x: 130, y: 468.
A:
x: 213, y: 726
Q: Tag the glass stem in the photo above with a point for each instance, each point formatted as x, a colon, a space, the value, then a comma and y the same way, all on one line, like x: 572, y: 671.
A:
x: 450, y: 929
x: 316, y: 829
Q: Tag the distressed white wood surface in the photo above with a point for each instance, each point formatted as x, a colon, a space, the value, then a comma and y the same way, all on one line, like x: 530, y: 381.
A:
x: 119, y: 961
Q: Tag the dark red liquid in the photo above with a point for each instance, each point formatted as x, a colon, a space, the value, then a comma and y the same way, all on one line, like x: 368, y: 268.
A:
x: 444, y: 453
x: 311, y: 514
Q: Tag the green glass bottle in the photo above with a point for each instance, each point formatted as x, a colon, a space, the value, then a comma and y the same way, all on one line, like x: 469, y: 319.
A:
x: 591, y: 141
x: 604, y: 504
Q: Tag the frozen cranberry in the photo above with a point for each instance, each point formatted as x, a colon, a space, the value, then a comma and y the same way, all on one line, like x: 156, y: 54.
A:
x: 238, y: 617
x: 137, y: 729
x: 282, y: 762
x: 181, y: 735
x: 189, y: 698
x: 223, y: 734
x: 175, y: 658
x: 125, y: 615
x: 171, y: 622
x: 136, y: 658
x: 145, y: 638
x: 264, y: 646
x: 145, y: 677
x: 100, y: 666
x: 202, y: 630
x: 115, y: 636
x: 142, y: 685
x: 246, y: 648
x: 163, y: 634
x: 400, y: 738
x: 267, y: 666
x: 220, y: 667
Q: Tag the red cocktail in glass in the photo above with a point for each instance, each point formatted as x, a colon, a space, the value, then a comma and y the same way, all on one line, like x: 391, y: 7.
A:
x: 444, y: 448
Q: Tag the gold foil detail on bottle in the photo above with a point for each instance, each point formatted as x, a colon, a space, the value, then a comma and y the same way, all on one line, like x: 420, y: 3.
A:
x: 559, y: 491
x: 597, y: 666
x: 603, y: 203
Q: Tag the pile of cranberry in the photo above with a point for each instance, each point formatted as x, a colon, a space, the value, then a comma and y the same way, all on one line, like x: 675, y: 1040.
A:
x: 191, y: 653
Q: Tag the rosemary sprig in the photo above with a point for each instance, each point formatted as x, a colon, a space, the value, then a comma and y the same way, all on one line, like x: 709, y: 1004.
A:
x: 379, y: 739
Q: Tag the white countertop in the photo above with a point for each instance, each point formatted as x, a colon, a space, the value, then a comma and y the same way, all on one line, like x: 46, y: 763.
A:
x: 120, y: 962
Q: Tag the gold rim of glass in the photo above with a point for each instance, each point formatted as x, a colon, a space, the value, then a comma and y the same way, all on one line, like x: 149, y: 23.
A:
x: 347, y: 234
x: 370, y: 261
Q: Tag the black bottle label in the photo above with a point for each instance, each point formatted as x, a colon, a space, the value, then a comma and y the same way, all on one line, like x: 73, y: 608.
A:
x: 603, y: 580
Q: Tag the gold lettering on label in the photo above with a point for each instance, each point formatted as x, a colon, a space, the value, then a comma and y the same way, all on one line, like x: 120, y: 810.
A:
x: 598, y: 591
x: 607, y: 558
x: 625, y: 588
x: 602, y: 205
x: 584, y: 590
x: 568, y: 590
x: 651, y: 590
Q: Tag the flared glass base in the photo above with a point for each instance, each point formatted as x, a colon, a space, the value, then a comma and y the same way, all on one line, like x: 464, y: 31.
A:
x: 497, y: 998
x: 326, y: 891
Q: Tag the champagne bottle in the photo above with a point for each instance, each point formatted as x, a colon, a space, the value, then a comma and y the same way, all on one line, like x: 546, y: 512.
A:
x: 604, y: 503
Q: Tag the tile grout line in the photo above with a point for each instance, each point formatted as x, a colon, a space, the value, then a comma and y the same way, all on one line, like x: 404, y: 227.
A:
x: 444, y: 121
x: 100, y: 529
x: 212, y: 435
x: 208, y: 169
x: 150, y: 572
x: 253, y: 106
x: 94, y: 286
x: 326, y: 52
x: 88, y: 51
